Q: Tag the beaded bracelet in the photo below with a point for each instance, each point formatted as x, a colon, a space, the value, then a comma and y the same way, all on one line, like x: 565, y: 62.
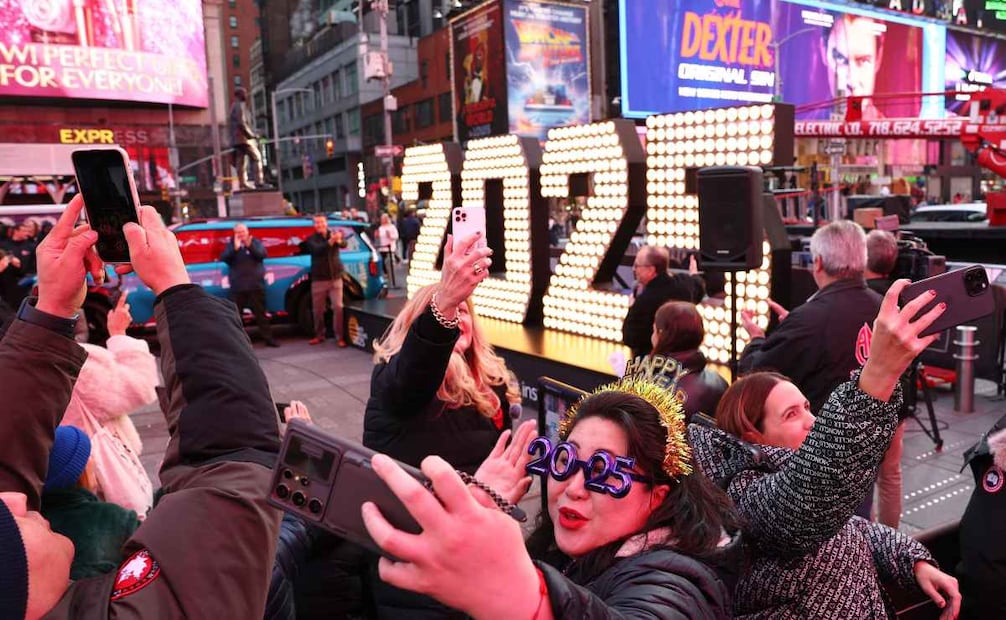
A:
x: 439, y: 316
x: 511, y: 510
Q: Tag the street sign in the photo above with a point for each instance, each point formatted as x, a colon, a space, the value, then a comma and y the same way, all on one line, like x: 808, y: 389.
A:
x: 392, y: 150
x: 188, y: 179
x: 835, y: 148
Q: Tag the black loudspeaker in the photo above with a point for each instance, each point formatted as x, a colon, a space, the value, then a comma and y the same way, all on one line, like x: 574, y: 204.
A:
x: 730, y: 217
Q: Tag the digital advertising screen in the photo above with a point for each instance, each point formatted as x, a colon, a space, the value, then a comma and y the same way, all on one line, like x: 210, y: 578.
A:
x: 700, y: 54
x: 987, y: 14
x: 548, y: 74
x: 974, y: 63
x: 478, y: 71
x: 827, y: 54
x: 131, y: 50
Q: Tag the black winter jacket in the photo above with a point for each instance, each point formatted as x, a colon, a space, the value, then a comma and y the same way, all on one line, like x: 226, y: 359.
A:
x: 245, y: 268
x: 326, y: 261
x: 657, y: 583
x: 638, y: 325
x: 404, y: 418
x: 684, y: 372
x: 982, y: 570
x: 821, y: 342
x: 808, y: 555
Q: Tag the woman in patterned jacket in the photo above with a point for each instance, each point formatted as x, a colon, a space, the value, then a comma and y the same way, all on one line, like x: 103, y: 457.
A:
x: 797, y: 481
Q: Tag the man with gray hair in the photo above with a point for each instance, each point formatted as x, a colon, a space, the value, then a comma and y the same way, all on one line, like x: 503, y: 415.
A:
x: 821, y: 342
x: 881, y: 258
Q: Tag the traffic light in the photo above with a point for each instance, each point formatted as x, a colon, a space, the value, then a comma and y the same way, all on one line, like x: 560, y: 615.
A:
x: 330, y: 148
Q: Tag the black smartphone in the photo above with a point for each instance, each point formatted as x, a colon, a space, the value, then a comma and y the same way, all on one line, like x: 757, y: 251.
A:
x: 105, y: 179
x: 324, y: 479
x: 966, y: 292
x: 281, y: 411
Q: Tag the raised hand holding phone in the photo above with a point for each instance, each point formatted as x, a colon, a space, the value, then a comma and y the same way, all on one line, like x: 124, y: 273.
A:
x: 154, y: 253
x: 65, y: 258
x: 105, y: 179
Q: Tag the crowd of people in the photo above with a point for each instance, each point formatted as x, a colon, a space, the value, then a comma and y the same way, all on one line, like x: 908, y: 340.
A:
x: 670, y: 493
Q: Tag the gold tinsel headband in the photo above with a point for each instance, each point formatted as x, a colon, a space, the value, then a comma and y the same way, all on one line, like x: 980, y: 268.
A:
x: 677, y: 453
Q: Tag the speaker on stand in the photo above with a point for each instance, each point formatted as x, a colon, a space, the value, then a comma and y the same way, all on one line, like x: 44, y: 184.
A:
x: 730, y: 227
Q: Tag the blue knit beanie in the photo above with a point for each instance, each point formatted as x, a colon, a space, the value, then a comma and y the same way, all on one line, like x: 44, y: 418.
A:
x: 13, y: 567
x: 68, y: 457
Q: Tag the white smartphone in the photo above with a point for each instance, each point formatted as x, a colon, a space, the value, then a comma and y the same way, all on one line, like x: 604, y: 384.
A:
x: 467, y: 221
x: 105, y: 179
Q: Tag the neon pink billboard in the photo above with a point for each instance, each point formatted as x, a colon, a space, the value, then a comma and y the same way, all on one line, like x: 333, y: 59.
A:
x: 122, y: 50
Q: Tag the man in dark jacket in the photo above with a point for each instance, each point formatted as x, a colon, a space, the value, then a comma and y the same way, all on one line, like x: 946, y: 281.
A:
x: 654, y: 286
x: 244, y: 257
x: 820, y: 343
x: 982, y: 570
x: 326, y: 277
x: 206, y: 549
x: 20, y: 249
x: 409, y: 233
x: 881, y: 257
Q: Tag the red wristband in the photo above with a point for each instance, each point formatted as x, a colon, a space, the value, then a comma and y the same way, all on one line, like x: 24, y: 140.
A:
x: 542, y: 592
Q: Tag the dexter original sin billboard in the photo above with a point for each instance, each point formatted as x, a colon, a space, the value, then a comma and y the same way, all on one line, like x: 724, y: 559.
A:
x: 130, y: 50
x: 698, y: 54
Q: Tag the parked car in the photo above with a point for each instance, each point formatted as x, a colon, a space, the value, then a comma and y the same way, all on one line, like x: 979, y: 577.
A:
x: 969, y: 212
x: 288, y: 287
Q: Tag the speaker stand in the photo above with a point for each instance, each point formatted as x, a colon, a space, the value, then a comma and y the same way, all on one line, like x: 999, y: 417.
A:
x: 733, y: 331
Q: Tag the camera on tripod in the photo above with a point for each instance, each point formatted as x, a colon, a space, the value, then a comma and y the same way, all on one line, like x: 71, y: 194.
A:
x: 915, y: 260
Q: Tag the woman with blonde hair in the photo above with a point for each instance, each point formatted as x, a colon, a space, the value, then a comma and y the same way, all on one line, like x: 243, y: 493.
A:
x: 437, y: 388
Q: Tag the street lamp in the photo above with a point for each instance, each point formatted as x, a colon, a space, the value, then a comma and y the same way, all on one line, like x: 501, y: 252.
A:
x: 275, y: 134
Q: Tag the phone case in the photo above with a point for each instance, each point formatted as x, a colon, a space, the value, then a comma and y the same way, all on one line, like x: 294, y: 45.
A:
x: 325, y: 479
x: 952, y: 288
x: 467, y: 221
x: 111, y: 244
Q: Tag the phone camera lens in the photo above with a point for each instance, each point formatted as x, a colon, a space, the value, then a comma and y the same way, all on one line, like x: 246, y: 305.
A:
x: 314, y: 506
x: 287, y: 474
x: 299, y: 499
x: 282, y: 491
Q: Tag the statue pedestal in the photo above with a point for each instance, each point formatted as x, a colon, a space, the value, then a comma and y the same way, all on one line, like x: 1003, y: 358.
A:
x: 249, y: 202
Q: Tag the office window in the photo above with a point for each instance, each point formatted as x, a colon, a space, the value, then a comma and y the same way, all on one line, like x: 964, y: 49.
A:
x: 234, y: 42
x: 353, y: 120
x: 446, y: 113
x: 233, y: 3
x: 237, y: 80
x: 233, y: 21
x: 424, y: 72
x: 400, y: 121
x: 337, y: 85
x: 447, y: 65
x: 339, y: 130
x: 352, y: 79
x: 326, y: 89
x: 415, y: 25
x: 237, y: 61
x: 424, y: 114
x: 328, y: 126
x: 316, y: 87
x: 282, y: 112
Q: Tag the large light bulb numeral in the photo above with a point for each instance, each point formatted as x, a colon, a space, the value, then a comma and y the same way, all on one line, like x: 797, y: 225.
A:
x: 514, y: 162
x: 609, y: 155
x: 429, y: 168
x: 675, y: 143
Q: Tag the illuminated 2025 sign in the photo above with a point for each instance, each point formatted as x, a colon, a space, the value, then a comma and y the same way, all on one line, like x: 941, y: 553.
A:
x: 625, y: 184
